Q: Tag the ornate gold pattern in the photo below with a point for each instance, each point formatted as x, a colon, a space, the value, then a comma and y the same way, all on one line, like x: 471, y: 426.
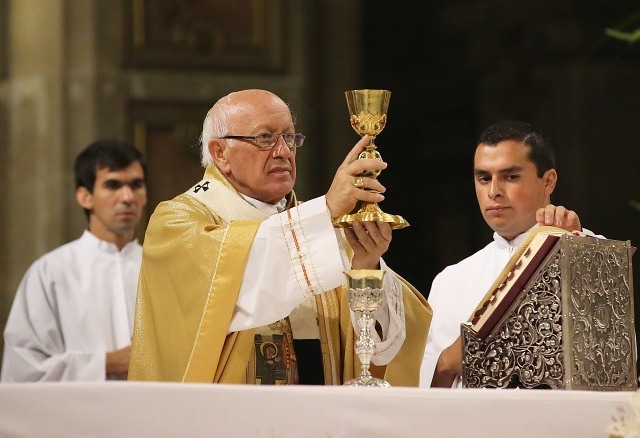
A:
x: 299, y: 252
x: 371, y: 124
x: 368, y: 115
x: 283, y: 326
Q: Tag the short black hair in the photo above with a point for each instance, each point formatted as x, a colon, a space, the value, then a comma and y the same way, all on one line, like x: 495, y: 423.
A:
x: 540, y: 150
x: 104, y: 154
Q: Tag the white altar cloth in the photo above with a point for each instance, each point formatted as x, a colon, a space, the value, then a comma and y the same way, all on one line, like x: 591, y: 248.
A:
x: 139, y: 409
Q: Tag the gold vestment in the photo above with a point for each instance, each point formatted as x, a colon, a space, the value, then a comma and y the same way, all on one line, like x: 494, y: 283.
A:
x: 192, y: 268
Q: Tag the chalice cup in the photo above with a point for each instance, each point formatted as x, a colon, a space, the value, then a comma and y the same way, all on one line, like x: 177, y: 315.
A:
x: 365, y: 297
x: 368, y: 115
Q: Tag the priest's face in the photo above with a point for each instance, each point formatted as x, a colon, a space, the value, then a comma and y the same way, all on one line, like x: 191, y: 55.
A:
x: 116, y: 203
x: 508, y: 188
x: 267, y: 175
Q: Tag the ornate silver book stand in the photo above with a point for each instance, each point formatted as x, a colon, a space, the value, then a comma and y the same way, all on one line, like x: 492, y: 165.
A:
x: 572, y: 327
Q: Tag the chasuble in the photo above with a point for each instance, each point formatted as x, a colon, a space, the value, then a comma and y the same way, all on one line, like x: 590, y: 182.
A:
x: 189, y: 297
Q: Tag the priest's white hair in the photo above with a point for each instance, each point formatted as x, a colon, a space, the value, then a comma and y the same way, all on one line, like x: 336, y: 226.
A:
x: 217, y: 122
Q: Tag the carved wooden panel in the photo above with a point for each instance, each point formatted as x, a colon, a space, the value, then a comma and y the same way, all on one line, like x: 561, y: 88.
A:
x: 4, y: 59
x: 168, y: 134
x: 213, y: 34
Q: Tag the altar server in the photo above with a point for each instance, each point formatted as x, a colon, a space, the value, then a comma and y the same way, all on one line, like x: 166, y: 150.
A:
x: 72, y: 317
x: 514, y: 175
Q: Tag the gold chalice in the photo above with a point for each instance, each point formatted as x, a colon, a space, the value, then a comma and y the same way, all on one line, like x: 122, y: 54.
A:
x: 368, y: 111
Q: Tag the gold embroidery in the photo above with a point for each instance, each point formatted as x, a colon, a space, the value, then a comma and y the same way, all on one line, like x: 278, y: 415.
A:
x: 294, y: 235
x: 284, y: 326
x: 313, y: 269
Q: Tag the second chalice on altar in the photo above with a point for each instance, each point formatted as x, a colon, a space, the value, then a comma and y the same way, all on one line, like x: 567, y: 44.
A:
x: 368, y: 116
x: 365, y: 297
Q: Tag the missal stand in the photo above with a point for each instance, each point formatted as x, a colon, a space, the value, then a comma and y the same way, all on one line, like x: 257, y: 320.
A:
x: 567, y: 323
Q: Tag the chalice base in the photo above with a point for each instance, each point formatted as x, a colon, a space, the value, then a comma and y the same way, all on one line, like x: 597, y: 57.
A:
x: 371, y: 381
x: 370, y: 212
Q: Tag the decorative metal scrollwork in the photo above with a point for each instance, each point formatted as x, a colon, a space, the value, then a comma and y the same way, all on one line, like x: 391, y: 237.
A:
x: 526, y: 348
x: 600, y: 316
x: 572, y: 327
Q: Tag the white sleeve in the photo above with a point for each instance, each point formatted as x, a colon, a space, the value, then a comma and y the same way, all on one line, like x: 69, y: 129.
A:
x: 34, y: 347
x: 429, y: 361
x: 295, y: 254
x: 439, y: 336
x: 390, y: 316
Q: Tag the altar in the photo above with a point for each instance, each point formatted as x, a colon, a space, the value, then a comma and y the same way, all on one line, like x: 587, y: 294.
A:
x: 137, y: 409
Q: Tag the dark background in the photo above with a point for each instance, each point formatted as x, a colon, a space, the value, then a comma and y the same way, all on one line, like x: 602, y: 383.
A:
x: 456, y: 67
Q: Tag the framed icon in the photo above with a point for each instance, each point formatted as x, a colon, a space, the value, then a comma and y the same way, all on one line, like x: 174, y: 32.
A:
x: 206, y: 34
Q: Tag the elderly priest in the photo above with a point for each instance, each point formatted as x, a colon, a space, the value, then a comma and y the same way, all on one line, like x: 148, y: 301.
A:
x: 240, y: 283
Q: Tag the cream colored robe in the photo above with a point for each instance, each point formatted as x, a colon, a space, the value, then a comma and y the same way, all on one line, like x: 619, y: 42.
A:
x: 189, y: 285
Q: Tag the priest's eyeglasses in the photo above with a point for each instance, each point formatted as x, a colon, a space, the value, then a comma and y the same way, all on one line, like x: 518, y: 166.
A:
x: 268, y: 140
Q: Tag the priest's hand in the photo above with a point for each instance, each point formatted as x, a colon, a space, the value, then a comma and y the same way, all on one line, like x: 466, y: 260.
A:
x: 558, y: 216
x: 348, y: 188
x: 369, y: 240
x: 449, y: 365
x: 117, y: 363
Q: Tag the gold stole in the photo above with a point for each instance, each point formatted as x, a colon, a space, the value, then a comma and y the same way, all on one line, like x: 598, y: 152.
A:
x: 214, y: 189
x: 187, y: 292
x: 216, y: 194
